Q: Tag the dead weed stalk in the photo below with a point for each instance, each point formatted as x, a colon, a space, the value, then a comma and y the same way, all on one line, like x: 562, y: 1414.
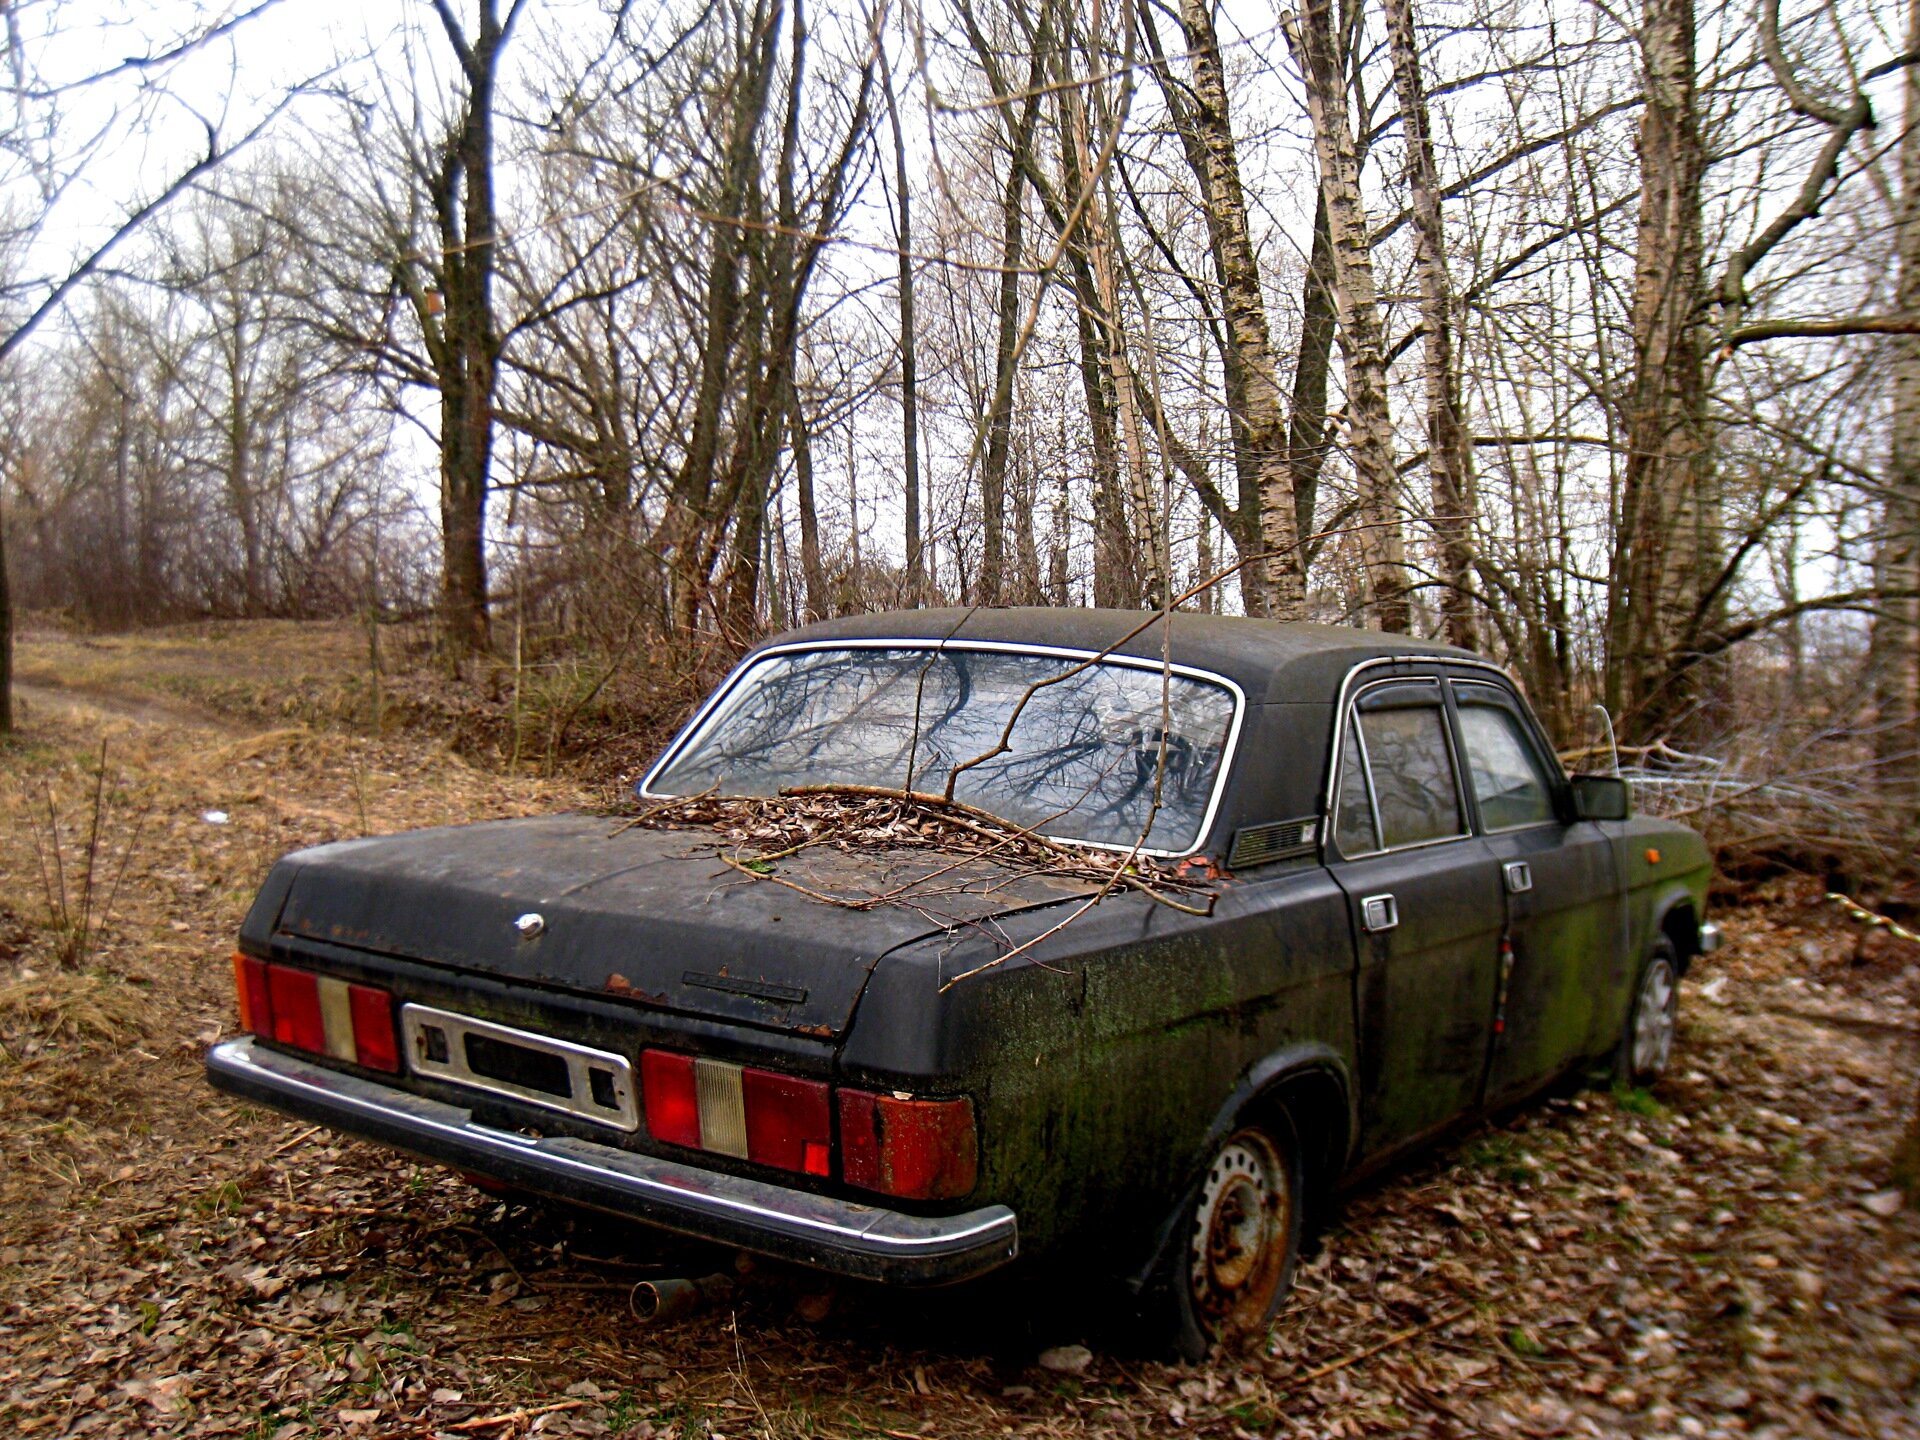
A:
x: 72, y: 914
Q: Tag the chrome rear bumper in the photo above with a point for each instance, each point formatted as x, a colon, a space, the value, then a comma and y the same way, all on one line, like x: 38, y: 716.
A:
x: 1710, y: 938
x: 841, y: 1236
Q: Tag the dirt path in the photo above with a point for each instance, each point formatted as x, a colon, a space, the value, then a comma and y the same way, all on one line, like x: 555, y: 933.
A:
x: 1698, y: 1261
x: 80, y: 706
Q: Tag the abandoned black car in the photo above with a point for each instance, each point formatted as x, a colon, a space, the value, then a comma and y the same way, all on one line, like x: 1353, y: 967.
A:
x: 941, y: 936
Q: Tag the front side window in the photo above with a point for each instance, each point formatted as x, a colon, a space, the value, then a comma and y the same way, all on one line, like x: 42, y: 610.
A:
x: 1091, y: 743
x: 1509, y: 781
x: 1412, y: 768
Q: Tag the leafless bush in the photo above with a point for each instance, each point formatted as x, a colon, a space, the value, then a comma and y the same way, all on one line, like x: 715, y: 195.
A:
x: 1814, y: 802
x: 77, y: 911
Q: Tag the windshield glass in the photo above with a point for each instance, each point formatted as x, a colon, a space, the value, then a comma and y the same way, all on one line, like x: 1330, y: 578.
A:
x: 1079, y: 764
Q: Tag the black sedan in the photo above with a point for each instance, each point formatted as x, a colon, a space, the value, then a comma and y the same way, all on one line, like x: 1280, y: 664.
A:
x: 941, y: 936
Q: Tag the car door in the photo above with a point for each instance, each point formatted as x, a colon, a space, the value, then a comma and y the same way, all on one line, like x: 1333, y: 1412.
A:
x: 1424, y: 897
x: 1565, y: 936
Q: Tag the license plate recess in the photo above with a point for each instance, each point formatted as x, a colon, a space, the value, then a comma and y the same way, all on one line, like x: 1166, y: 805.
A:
x: 578, y: 1080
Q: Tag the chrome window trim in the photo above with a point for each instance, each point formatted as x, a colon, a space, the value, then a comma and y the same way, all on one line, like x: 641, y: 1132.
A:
x: 1228, y: 751
x: 1373, y: 798
x: 1531, y: 742
x: 1343, y: 708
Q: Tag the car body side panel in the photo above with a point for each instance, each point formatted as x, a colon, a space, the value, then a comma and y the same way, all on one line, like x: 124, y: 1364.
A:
x: 1099, y: 1060
x: 1424, y: 990
x: 1568, y: 934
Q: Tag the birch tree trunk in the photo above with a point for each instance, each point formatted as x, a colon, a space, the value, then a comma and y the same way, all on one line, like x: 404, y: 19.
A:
x: 1895, y: 653
x: 909, y: 367
x: 1311, y: 35
x: 1449, y: 446
x: 1251, y: 372
x: 1659, y: 552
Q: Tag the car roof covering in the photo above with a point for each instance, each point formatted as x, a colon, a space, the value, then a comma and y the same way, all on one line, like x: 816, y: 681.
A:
x: 1273, y: 662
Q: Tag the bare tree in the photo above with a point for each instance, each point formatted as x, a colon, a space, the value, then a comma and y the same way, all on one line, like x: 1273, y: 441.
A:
x: 1313, y: 36
x: 1267, y: 518
x: 1449, y: 446
x: 462, y: 338
x: 39, y: 146
x: 1018, y: 120
x: 902, y: 196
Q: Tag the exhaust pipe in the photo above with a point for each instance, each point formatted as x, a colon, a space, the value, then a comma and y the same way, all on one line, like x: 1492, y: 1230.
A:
x: 654, y: 1302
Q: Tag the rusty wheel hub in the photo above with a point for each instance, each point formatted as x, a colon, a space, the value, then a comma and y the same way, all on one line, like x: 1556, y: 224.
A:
x: 1240, y: 1233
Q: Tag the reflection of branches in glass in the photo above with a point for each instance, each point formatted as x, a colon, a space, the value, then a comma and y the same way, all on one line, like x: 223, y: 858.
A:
x: 1083, y: 755
x: 1412, y: 775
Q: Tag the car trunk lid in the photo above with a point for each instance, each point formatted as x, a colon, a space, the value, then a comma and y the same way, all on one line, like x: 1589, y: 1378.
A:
x: 655, y: 917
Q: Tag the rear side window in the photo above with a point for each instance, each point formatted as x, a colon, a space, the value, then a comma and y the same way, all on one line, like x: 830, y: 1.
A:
x: 1509, y: 782
x: 1411, y: 764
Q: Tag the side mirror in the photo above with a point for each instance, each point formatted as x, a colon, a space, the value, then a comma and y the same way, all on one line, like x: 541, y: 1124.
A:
x: 1602, y: 797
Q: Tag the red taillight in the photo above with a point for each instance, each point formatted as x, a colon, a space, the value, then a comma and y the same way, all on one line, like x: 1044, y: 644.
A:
x: 293, y: 997
x: 374, y: 1045
x: 673, y: 1105
x: 789, y: 1123
x: 916, y: 1149
x: 317, y: 1013
x: 727, y: 1109
x: 250, y: 981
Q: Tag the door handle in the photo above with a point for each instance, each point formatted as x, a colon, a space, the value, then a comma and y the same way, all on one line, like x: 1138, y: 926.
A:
x: 1519, y: 877
x: 1379, y: 912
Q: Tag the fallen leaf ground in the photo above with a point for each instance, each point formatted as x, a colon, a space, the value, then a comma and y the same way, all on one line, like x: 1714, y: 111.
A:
x: 1705, y: 1259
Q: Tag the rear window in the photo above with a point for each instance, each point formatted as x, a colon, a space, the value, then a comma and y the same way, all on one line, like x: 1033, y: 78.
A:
x: 1410, y: 764
x: 1098, y: 751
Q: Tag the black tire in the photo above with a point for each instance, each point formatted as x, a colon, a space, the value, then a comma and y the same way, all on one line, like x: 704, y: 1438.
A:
x: 1646, y: 1042
x: 1234, y: 1244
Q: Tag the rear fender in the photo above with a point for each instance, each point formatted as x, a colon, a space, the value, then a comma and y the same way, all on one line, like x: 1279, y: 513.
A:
x: 1265, y: 1085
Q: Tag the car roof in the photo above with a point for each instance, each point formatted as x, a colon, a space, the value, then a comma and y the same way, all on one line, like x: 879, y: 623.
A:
x: 1272, y: 661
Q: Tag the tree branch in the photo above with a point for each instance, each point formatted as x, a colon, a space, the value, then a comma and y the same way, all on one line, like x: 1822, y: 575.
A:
x: 1824, y: 329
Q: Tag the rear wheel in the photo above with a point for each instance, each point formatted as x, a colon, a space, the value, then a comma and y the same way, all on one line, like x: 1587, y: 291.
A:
x: 1239, y: 1241
x: 1647, y: 1042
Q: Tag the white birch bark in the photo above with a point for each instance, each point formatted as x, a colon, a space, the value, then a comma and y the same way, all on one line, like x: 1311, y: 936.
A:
x: 1449, y: 446
x: 1370, y: 440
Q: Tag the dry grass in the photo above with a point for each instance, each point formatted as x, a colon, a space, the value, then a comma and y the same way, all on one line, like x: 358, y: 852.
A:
x: 91, y: 1005
x: 560, y: 713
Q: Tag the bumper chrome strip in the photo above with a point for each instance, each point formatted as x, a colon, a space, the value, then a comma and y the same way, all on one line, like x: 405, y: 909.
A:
x: 842, y: 1236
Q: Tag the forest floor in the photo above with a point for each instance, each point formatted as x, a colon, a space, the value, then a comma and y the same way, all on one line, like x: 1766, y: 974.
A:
x: 1721, y: 1256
